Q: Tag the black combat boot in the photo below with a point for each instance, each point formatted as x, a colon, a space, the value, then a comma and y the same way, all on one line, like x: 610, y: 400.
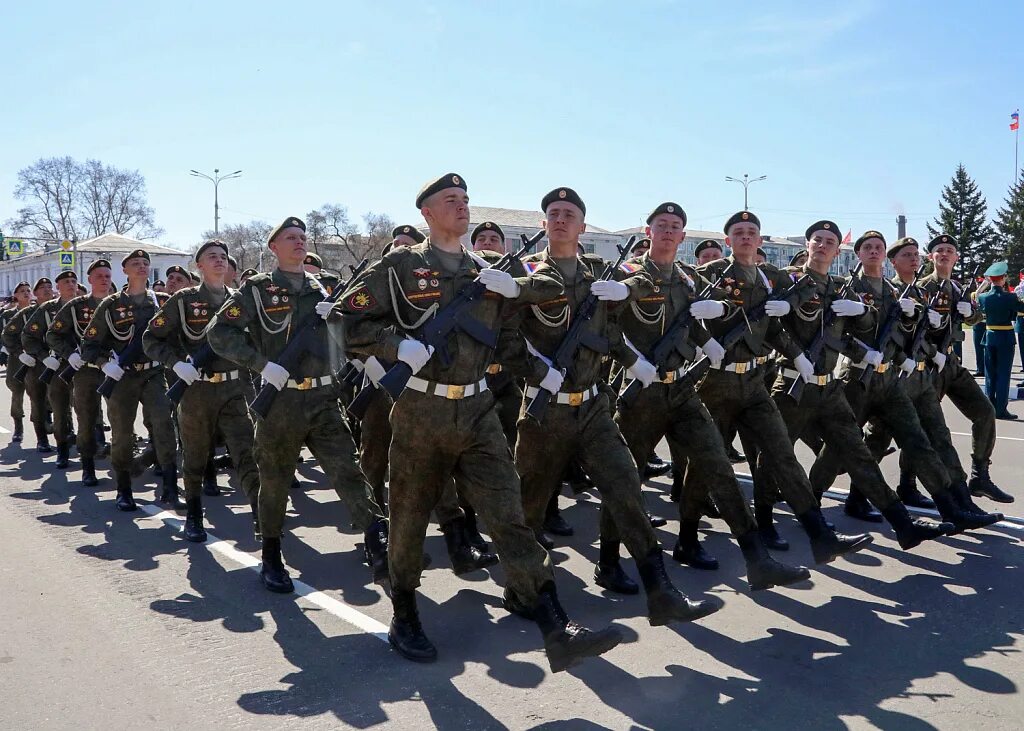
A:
x: 665, y: 603
x: 909, y: 493
x: 857, y: 506
x: 826, y: 544
x: 63, y: 455
x: 464, y: 557
x: 910, y: 531
x: 167, y: 493
x: 981, y: 484
x: 962, y: 495
x: 42, y: 441
x: 89, y: 472
x: 554, y: 523
x: 566, y: 643
x: 143, y: 460
x: 952, y: 509
x: 473, y: 530
x: 656, y: 522
x: 193, y: 529
x: 688, y: 549
x: 545, y: 541
x: 766, y: 527
x: 375, y: 544
x: 19, y: 430
x: 734, y: 455
x: 125, y: 501
x: 406, y: 633
x: 210, y: 479
x: 763, y: 571
x: 272, y: 573
x: 656, y: 467
x: 609, y: 573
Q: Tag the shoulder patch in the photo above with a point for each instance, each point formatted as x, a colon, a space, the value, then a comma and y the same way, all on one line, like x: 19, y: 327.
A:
x: 630, y: 267
x: 233, y: 312
x: 57, y: 325
x: 361, y: 299
x: 91, y: 332
x: 34, y: 326
x: 159, y: 321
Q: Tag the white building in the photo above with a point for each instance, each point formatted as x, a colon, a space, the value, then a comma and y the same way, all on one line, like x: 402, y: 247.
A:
x: 113, y: 247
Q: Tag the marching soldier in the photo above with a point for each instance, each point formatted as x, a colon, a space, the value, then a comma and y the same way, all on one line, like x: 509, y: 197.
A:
x: 1000, y: 307
x: 178, y: 278
x: 444, y: 423
x: 708, y: 251
x: 253, y: 328
x: 117, y: 326
x: 213, y: 400
x: 315, y: 266
x: 65, y: 338
x: 22, y: 299
x: 33, y: 339
x: 36, y: 390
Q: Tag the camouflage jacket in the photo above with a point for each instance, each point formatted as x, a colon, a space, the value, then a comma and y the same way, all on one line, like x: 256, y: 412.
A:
x: 114, y: 321
x: 70, y: 323
x: 14, y: 327
x: 33, y: 336
x: 179, y: 328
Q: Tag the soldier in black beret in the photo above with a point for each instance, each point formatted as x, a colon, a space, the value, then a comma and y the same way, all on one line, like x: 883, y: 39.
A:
x: 446, y: 181
x: 290, y: 222
x: 642, y: 247
x: 179, y: 277
x: 406, y: 235
x: 27, y: 324
x: 708, y: 250
x: 244, y: 277
x: 98, y: 264
x: 762, y: 255
x: 488, y: 236
x: 828, y: 227
x: 313, y: 263
x: 13, y: 320
x: 567, y: 195
x: 674, y: 208
x: 899, y: 244
x: 160, y: 285
x: 136, y: 254
x: 798, y: 259
x: 942, y: 239
x: 870, y: 234
x: 742, y: 217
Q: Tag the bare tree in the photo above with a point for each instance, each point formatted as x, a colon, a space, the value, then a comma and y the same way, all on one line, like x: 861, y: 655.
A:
x: 247, y: 242
x: 50, y: 187
x: 115, y: 200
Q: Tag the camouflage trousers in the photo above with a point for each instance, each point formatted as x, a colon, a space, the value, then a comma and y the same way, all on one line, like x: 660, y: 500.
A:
x: 206, y: 410
x: 58, y: 394
x: 17, y: 391
x: 149, y: 389
x: 435, y: 439
x: 311, y: 418
x: 87, y: 408
x: 959, y: 385
x: 586, y: 433
x: 674, y: 411
x: 38, y: 404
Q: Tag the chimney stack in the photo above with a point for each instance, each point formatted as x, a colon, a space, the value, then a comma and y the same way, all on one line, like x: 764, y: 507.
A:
x: 901, y: 226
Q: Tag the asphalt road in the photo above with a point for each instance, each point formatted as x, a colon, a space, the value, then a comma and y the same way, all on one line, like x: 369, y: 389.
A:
x: 111, y: 620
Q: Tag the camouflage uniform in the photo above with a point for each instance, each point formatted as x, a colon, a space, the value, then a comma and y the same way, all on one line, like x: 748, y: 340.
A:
x: 33, y: 340
x: 36, y: 391
x: 64, y: 337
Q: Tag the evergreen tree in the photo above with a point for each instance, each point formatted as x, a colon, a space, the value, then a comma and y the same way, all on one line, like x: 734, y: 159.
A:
x: 963, y: 213
x: 1010, y: 224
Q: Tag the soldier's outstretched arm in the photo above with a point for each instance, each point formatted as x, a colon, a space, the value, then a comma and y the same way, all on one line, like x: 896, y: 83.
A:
x: 228, y: 330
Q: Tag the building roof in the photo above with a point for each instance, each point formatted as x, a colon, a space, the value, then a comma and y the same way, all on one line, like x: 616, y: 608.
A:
x: 510, y: 217
x: 108, y: 243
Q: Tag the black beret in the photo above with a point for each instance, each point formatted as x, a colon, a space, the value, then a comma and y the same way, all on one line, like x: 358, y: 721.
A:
x: 290, y: 222
x: 943, y: 239
x: 160, y: 282
x: 233, y: 262
x: 824, y: 225
x: 178, y: 270
x: 673, y: 208
x: 563, y: 194
x: 741, y: 217
x: 68, y: 274
x: 137, y: 254
x: 797, y: 255
x: 97, y: 264
x: 40, y: 282
x: 706, y: 244
x: 194, y: 277
x: 22, y: 283
x: 900, y: 244
x: 487, y: 226
x: 448, y: 180
x: 211, y: 243
x: 313, y: 260
x: 872, y: 234
x: 762, y: 252
x: 250, y: 272
x: 644, y: 243
x: 410, y: 231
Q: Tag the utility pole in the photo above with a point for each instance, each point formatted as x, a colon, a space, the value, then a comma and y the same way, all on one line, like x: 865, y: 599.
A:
x: 747, y: 180
x: 215, y: 179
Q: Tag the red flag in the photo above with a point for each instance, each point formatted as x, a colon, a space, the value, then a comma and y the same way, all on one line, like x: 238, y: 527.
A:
x: 849, y: 237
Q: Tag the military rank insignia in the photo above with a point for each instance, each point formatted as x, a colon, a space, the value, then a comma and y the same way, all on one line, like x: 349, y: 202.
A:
x: 233, y: 312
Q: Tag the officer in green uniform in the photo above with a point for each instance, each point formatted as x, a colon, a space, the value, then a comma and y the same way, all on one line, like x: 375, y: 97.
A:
x: 444, y: 423
x: 178, y: 277
x: 1000, y: 307
x: 708, y: 251
x: 668, y: 407
x: 12, y: 346
x: 65, y: 338
x: 315, y: 266
x: 36, y: 390
x: 118, y: 320
x: 252, y: 329
x: 578, y: 424
x: 33, y: 340
x: 213, y: 400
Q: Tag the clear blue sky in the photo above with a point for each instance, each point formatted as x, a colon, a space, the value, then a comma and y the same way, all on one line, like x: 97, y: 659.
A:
x: 856, y: 112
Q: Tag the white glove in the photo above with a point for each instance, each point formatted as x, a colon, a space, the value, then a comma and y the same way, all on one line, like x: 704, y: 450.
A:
x: 965, y: 309
x: 112, y: 370
x: 373, y: 370
x: 934, y: 318
x: 714, y: 351
x: 777, y: 308
x: 908, y: 306
x: 908, y: 366
x: 358, y: 364
x: 501, y: 282
x: 707, y: 309
x: 27, y: 359
x: 939, y: 359
x: 186, y: 372
x: 608, y: 290
x: 274, y: 374
x: 874, y: 358
x: 4, y: 350
x: 805, y: 367
x: 324, y: 308
x: 414, y: 353
x: 848, y: 308
x: 75, y: 360
x: 552, y: 381
x: 51, y: 362
x: 644, y: 371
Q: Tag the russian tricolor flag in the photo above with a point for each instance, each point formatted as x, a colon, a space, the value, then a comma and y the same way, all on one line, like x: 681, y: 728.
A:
x: 1015, y: 121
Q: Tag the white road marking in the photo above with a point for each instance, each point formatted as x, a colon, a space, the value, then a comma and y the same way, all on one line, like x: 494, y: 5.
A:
x: 4, y: 430
x: 339, y: 609
x: 1009, y: 439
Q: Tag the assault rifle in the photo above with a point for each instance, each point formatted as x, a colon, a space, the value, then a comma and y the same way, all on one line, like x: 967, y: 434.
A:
x: 455, y: 317
x: 955, y: 319
x: 48, y: 373
x: 577, y: 335
x: 824, y: 337
x: 889, y: 329
x: 67, y: 373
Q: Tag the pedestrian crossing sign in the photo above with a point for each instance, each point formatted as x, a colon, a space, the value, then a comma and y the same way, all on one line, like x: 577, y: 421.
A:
x: 15, y: 247
x: 67, y: 259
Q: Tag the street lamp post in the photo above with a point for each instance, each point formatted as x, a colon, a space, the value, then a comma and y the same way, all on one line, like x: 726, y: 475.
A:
x: 215, y: 179
x: 747, y: 180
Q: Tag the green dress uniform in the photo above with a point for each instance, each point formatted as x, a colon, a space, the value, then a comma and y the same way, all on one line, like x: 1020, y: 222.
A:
x: 58, y: 393
x: 1001, y: 308
x: 213, y: 403
x: 36, y: 391
x: 17, y: 389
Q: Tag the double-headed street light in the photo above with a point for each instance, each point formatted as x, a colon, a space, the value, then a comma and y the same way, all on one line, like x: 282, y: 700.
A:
x: 747, y: 180
x: 215, y: 179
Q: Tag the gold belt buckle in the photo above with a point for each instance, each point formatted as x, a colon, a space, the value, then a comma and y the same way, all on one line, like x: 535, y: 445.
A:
x: 140, y: 366
x: 670, y: 377
x: 822, y: 380
x: 920, y: 365
x: 493, y: 369
x: 305, y: 384
x: 216, y: 378
x: 576, y: 398
x: 882, y: 368
x: 456, y: 392
x: 761, y: 359
x: 741, y: 368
